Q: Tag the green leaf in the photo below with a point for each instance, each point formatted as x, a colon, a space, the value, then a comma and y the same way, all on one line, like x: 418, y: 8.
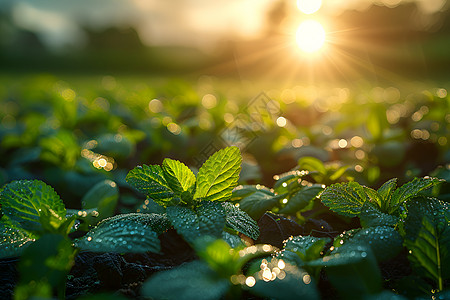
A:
x: 353, y: 273
x: 427, y: 236
x: 13, y: 241
x: 385, y: 242
x: 243, y: 191
x: 178, y: 176
x: 208, y: 218
x: 312, y: 164
x: 49, y: 259
x: 346, y: 199
x: 219, y: 175
x: 23, y: 203
x: 103, y: 197
x: 290, y: 283
x: 410, y: 190
x: 233, y: 240
x: 301, y: 199
x: 150, y: 181
x: 217, y: 254
x: 385, y: 192
x: 190, y: 281
x: 308, y: 248
x: 125, y: 233
x: 258, y: 203
x: 372, y: 216
x: 240, y: 221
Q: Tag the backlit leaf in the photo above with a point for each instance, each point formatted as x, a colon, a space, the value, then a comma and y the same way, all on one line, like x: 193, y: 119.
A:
x: 240, y: 221
x: 178, y: 176
x: 346, y: 199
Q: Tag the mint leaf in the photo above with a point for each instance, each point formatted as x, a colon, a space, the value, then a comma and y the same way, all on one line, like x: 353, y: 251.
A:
x: 346, y: 199
x: 208, y: 218
x: 178, y: 176
x: 427, y: 236
x: 372, y: 216
x: 24, y: 201
x: 240, y: 221
x: 150, y: 181
x: 194, y: 280
x: 301, y: 199
x: 219, y: 175
x: 258, y: 203
x: 385, y: 192
x: 242, y: 191
x: 410, y: 190
x: 125, y: 233
x: 384, y: 241
x: 13, y: 241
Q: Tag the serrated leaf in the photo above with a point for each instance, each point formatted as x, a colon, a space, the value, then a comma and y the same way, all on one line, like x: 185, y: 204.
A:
x: 125, y: 233
x: 190, y: 281
x: 373, y: 196
x: 240, y: 221
x: 178, y: 176
x: 219, y: 175
x: 427, y: 236
x: 301, y: 199
x: 306, y: 247
x: 23, y: 202
x: 385, y: 242
x: 410, y: 190
x: 372, y: 216
x: 13, y: 241
x: 346, y: 199
x: 150, y: 181
x: 385, y: 192
x: 258, y: 203
x: 208, y: 218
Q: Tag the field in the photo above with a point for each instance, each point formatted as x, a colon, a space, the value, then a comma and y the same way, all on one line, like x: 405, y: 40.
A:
x: 317, y: 162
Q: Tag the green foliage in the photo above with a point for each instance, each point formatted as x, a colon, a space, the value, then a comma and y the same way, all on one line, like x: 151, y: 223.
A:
x: 258, y: 203
x: 13, y: 241
x: 240, y: 221
x: 321, y: 172
x: 219, y: 175
x: 125, y: 233
x: 208, y: 218
x: 103, y: 198
x: 427, y: 237
x: 348, y: 199
x: 33, y: 206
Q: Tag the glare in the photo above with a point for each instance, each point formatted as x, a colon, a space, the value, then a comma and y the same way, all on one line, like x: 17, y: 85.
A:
x: 309, y: 6
x: 310, y: 36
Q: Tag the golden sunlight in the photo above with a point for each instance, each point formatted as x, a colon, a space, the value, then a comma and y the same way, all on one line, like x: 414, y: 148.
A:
x: 309, y: 6
x: 310, y: 36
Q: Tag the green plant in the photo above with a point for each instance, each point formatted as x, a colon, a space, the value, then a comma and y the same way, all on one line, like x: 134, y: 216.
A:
x: 220, y: 272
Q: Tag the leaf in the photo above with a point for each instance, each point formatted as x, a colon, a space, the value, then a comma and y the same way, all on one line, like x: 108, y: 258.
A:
x: 243, y: 191
x: 385, y: 192
x: 190, y: 281
x: 219, y: 175
x: 346, y: 199
x: 103, y: 197
x: 233, y: 240
x: 308, y: 248
x: 372, y: 216
x: 301, y: 199
x: 13, y: 241
x: 208, y: 218
x: 353, y: 273
x: 23, y: 202
x: 385, y: 242
x: 312, y: 164
x: 178, y: 176
x: 150, y: 181
x: 240, y: 221
x: 427, y: 236
x: 258, y: 203
x: 217, y: 254
x: 125, y: 233
x: 410, y: 190
x: 290, y: 283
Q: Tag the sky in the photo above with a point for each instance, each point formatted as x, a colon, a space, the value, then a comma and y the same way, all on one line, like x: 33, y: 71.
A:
x: 197, y: 23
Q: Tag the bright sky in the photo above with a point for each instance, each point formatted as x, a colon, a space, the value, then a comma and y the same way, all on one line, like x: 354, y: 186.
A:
x: 199, y: 23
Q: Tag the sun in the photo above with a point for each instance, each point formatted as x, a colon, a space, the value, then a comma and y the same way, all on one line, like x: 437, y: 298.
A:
x: 310, y: 36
